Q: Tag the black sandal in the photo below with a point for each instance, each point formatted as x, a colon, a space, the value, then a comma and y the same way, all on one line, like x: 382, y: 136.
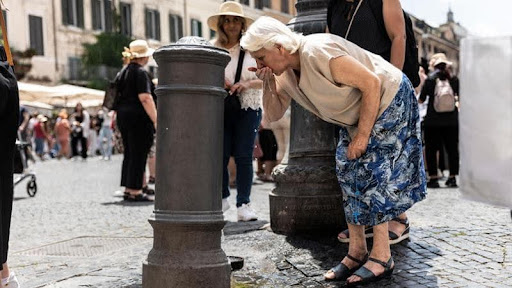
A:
x: 367, y: 276
x: 148, y: 191
x: 142, y: 197
x: 342, y: 272
x: 368, y: 233
x: 395, y: 239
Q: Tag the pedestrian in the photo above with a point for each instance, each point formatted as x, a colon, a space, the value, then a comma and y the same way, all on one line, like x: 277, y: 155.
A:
x: 441, y: 126
x: 9, y: 115
x: 80, y: 131
x: 62, y: 133
x: 378, y: 157
x: 40, y: 135
x: 136, y: 119
x: 242, y: 107
x: 106, y: 135
x: 366, y: 30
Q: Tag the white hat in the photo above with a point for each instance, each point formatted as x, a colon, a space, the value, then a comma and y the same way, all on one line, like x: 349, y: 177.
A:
x: 441, y: 58
x: 138, y: 49
x: 229, y: 8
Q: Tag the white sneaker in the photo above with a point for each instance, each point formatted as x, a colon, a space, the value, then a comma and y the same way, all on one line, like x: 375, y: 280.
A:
x: 225, y: 205
x: 245, y: 213
x: 11, y: 282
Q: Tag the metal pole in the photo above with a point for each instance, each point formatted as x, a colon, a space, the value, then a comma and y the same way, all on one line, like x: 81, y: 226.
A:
x: 187, y: 221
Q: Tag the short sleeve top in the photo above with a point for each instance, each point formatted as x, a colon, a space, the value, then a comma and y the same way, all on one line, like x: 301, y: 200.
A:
x: 134, y: 81
x: 320, y: 94
x: 250, y: 98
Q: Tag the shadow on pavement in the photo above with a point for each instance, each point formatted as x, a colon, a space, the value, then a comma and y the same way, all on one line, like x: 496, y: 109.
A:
x: 129, y: 204
x: 234, y: 228
x: 21, y: 198
x: 314, y: 256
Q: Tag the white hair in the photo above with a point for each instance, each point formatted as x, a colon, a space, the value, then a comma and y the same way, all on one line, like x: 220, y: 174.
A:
x: 266, y: 32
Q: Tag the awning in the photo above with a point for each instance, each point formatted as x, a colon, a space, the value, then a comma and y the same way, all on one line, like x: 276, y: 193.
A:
x: 60, y: 96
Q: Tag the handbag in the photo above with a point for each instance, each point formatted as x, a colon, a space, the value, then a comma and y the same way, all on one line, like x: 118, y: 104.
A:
x: 113, y: 92
x: 232, y: 102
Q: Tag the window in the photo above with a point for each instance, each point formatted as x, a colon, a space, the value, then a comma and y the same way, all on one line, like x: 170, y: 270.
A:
x: 126, y: 18
x: 152, y: 24
x: 285, y: 6
x: 259, y: 4
x: 75, y: 68
x: 102, y: 15
x: 196, y: 28
x: 244, y: 2
x: 73, y: 13
x: 212, y: 34
x: 35, y: 24
x: 176, y: 27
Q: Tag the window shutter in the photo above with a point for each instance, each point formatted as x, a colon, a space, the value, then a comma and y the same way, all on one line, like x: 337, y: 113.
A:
x: 36, y: 34
x: 180, y: 27
x: 108, y: 16
x: 65, y: 11
x: 200, y: 28
x: 172, y: 28
x: 80, y: 13
x: 148, y: 23
x: 157, y: 25
x: 96, y: 18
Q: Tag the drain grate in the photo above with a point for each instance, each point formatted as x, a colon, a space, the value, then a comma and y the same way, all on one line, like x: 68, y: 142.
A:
x: 84, y: 246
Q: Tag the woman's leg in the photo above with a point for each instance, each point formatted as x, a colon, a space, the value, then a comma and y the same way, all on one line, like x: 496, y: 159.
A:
x: 83, y: 143
x: 357, y: 249
x: 243, y: 141
x: 380, y: 251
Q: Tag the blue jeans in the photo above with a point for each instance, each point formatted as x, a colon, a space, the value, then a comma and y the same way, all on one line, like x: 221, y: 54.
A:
x: 240, y: 128
x: 106, y: 148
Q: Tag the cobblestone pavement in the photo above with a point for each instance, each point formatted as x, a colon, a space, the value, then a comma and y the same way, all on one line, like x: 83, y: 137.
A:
x: 76, y: 233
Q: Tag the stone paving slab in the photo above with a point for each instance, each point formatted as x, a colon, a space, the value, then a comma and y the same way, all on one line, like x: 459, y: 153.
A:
x: 454, y: 242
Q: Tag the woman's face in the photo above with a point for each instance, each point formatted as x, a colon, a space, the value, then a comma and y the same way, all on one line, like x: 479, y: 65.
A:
x: 232, y: 26
x: 273, y: 58
x: 78, y: 107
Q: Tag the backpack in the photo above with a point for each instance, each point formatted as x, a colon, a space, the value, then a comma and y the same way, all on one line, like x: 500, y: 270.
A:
x: 113, y: 92
x: 411, y: 64
x: 444, y: 98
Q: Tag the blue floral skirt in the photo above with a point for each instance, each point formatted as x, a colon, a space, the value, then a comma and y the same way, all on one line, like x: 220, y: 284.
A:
x: 390, y: 177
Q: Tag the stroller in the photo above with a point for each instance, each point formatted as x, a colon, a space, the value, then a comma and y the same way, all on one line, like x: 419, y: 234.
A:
x: 21, y: 165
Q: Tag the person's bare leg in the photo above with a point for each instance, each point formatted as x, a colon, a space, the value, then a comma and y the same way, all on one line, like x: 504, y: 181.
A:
x: 5, y: 271
x: 152, y: 167
x: 269, y: 166
x: 396, y: 227
x: 356, y: 248
x: 380, y: 251
x: 232, y: 171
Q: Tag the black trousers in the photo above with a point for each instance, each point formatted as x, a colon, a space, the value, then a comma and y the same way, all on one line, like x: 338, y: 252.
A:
x: 435, y: 137
x: 83, y: 144
x: 137, y: 137
x: 9, y: 110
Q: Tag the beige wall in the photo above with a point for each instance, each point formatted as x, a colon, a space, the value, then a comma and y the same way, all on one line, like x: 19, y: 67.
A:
x: 62, y: 42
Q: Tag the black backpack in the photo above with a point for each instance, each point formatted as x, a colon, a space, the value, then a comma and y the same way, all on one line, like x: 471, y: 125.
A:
x: 411, y: 64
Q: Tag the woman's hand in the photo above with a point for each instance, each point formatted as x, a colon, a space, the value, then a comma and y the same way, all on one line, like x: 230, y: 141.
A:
x: 239, y: 87
x: 264, y: 74
x: 357, y: 147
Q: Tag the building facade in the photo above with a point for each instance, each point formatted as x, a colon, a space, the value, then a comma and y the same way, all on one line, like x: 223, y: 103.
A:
x: 443, y: 39
x: 55, y: 30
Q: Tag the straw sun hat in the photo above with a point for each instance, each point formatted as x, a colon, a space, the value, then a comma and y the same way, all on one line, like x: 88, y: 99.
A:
x: 228, y: 8
x: 138, y: 49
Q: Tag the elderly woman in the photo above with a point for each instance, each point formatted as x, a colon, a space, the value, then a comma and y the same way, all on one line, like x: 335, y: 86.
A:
x: 242, y: 109
x: 378, y: 158
x: 136, y: 119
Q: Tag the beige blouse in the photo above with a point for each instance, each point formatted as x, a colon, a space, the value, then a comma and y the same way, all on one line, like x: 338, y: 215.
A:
x: 321, y: 95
